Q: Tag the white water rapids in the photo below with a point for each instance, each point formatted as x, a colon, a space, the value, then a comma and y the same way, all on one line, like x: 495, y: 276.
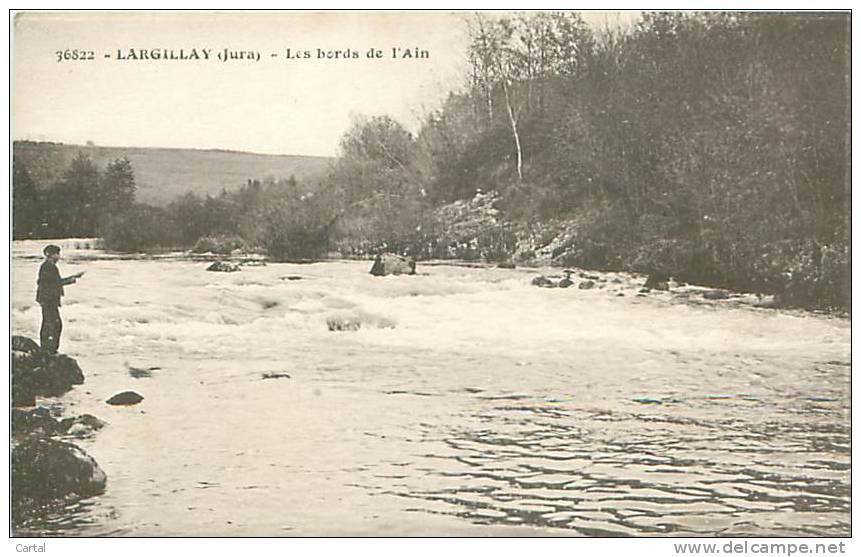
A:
x: 468, y: 403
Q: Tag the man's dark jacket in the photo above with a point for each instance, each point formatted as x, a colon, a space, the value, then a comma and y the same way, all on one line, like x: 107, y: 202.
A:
x: 50, y: 284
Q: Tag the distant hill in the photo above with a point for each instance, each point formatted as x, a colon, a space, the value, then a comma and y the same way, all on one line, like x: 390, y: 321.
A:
x: 162, y: 174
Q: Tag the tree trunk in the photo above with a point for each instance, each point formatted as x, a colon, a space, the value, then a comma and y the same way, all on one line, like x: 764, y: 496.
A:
x: 513, y: 119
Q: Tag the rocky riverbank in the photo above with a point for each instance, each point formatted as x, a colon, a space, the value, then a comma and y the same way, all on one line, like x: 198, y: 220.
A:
x: 48, y: 469
x: 795, y: 273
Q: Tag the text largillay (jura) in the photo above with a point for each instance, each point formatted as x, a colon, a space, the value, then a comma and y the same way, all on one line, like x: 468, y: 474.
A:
x: 205, y: 54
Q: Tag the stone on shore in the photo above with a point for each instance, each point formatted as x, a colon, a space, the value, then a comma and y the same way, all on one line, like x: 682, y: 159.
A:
x: 38, y: 422
x: 47, y: 470
x: 37, y: 373
x: 35, y: 422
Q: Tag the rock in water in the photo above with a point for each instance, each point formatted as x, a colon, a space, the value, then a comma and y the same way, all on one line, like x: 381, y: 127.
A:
x: 24, y: 344
x: 341, y: 323
x: 223, y: 267
x: 276, y: 375
x: 391, y: 264
x: 45, y: 470
x: 715, y: 295
x: 567, y: 282
x: 125, y: 398
x: 543, y: 282
x: 658, y: 281
x: 648, y: 400
x: 82, y: 426
x: 507, y: 265
x: 586, y: 285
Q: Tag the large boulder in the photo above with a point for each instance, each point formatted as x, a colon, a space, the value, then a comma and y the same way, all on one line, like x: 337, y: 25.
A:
x: 37, y: 373
x: 46, y: 471
x: 392, y: 264
x: 658, y: 281
x: 59, y: 374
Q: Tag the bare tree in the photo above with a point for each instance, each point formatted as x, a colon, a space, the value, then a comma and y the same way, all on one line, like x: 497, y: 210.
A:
x: 517, y: 55
x: 499, y: 63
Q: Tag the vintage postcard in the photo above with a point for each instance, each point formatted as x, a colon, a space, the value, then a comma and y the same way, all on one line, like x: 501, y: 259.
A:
x: 431, y: 273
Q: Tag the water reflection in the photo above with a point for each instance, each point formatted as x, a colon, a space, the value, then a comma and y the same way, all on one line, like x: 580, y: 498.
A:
x: 601, y: 472
x: 62, y: 520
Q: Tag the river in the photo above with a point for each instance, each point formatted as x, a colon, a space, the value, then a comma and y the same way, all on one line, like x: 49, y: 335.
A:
x: 468, y: 403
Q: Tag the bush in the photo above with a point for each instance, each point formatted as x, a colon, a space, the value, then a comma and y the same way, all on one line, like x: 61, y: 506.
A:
x: 221, y: 245
x: 140, y: 228
x: 814, y: 276
x: 292, y: 230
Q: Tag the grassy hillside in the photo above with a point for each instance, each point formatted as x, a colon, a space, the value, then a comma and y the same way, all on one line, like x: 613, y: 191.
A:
x: 162, y: 174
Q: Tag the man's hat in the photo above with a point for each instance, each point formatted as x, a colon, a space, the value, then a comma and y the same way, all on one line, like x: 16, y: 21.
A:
x: 51, y: 249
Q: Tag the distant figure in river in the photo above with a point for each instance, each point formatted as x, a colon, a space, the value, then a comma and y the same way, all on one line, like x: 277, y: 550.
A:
x: 48, y: 293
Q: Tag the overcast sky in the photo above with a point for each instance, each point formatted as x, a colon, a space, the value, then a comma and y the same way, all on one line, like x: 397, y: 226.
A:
x: 270, y: 106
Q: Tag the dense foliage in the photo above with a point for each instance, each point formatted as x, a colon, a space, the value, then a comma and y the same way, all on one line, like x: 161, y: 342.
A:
x: 709, y: 146
x: 80, y: 204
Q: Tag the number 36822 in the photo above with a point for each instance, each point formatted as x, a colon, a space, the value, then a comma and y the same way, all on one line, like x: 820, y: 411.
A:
x: 74, y: 54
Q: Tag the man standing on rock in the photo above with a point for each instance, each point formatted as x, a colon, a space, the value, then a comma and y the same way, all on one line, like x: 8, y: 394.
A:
x: 48, y: 292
